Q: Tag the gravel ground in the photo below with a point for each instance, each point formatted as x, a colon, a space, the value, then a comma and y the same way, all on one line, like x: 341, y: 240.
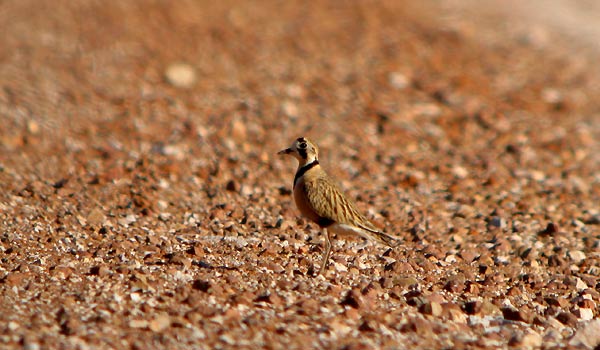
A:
x: 143, y: 205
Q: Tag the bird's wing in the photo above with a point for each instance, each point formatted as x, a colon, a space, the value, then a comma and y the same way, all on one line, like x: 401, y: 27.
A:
x: 328, y: 200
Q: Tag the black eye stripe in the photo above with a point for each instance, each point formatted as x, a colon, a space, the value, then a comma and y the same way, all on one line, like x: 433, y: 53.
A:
x: 302, y: 152
x: 302, y: 145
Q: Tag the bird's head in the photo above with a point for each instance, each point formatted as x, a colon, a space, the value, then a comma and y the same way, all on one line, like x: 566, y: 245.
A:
x: 302, y: 149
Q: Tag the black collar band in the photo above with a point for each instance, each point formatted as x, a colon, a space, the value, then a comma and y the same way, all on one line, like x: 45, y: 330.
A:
x: 304, y: 169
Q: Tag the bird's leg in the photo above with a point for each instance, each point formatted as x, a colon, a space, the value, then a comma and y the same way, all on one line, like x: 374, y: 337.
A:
x: 326, y: 253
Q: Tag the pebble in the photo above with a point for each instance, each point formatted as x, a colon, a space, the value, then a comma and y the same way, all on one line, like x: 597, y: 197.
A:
x: 531, y: 340
x: 352, y: 299
x: 431, y: 308
x: 577, y: 256
x: 460, y: 172
x: 588, y: 336
x: 473, y: 307
x: 398, y: 80
x: 160, y: 323
x: 290, y: 109
x: 580, y: 284
x: 469, y: 255
x: 239, y: 132
x: 567, y: 318
x: 405, y: 281
x: 454, y: 313
x: 584, y: 314
x: 489, y: 309
x: 33, y: 127
x: 127, y: 220
x: 294, y: 90
x: 138, y: 323
x: 181, y: 75
x: 521, y: 315
x: 340, y: 267
x: 496, y: 222
x: 552, y: 96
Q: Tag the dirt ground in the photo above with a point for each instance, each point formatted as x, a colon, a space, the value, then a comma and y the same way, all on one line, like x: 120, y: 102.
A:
x: 143, y: 205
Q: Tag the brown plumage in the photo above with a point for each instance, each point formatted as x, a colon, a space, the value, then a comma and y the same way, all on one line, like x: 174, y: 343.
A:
x: 320, y: 199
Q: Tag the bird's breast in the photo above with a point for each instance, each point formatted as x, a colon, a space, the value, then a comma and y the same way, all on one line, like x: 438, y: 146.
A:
x: 303, y: 203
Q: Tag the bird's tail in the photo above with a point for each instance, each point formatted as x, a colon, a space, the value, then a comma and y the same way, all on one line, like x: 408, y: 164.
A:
x: 383, y: 237
x: 387, y: 239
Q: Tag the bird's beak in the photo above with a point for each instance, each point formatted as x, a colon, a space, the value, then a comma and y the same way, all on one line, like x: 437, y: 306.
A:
x: 285, y: 151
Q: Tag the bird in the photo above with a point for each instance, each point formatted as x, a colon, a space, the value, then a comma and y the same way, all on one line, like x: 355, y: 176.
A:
x: 320, y: 199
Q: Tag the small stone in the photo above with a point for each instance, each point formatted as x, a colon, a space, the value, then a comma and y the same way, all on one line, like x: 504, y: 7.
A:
x: 567, y: 319
x: 552, y: 96
x: 460, y: 172
x: 70, y: 326
x: 127, y: 220
x: 584, y: 314
x: 96, y: 217
x: 450, y: 258
x: 294, y: 90
x: 431, y: 308
x: 489, y: 309
x: 592, y: 220
x: 340, y: 328
x: 537, y: 175
x: 238, y: 130
x: 405, y: 281
x: 181, y: 75
x: 367, y: 326
x: 550, y: 229
x: 352, y: 299
x: 138, y: 323
x: 162, y: 205
x: 558, y: 301
x: 227, y: 339
x: 232, y: 186
x: 62, y: 272
x: 531, y: 340
x: 275, y: 267
x: 469, y: 255
x: 472, y: 307
x: 454, y: 286
x: 587, y: 304
x: 100, y: 270
x: 33, y: 127
x: 588, y: 336
x: 352, y: 314
x: 264, y: 297
x: 472, y: 288
x: 453, y: 313
x: 580, y: 284
x: 135, y: 297
x: 290, y: 109
x: 521, y: 315
x: 340, y: 267
x: 175, y: 151
x: 496, y: 222
x: 577, y: 256
x: 201, y: 285
x: 308, y: 307
x: 398, y: 80
x: 164, y: 216
x: 160, y: 323
x: 428, y: 110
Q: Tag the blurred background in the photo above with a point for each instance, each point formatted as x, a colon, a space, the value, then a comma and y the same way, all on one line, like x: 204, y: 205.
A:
x: 141, y: 195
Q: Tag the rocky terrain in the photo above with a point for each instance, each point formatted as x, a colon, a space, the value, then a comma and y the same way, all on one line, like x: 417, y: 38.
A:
x: 143, y: 205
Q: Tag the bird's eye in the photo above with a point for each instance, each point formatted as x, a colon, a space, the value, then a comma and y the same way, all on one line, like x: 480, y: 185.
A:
x: 302, y: 145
